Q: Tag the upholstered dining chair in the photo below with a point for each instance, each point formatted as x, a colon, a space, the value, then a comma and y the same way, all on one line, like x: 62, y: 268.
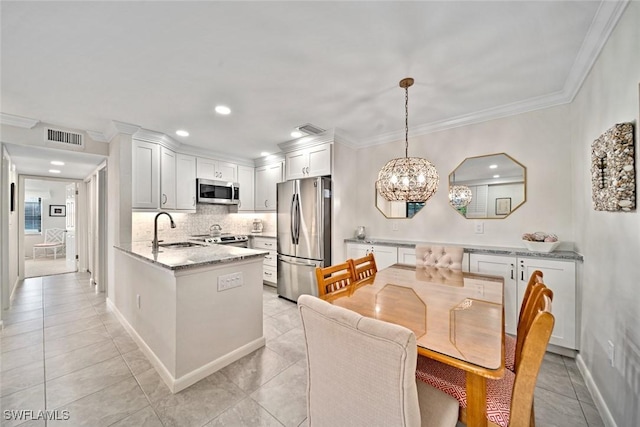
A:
x: 53, y: 239
x: 509, y: 399
x: 364, y: 267
x: 439, y: 256
x: 334, y: 277
x: 511, y: 342
x: 361, y: 372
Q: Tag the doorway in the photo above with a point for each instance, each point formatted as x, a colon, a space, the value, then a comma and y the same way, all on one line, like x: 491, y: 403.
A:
x: 49, y: 226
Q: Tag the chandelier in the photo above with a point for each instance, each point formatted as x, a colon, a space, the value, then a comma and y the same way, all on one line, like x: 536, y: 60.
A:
x: 459, y: 196
x: 407, y: 179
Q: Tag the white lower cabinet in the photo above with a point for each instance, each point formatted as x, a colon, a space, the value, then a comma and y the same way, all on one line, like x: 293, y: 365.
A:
x: 385, y: 256
x: 407, y: 256
x: 559, y: 276
x: 270, y: 263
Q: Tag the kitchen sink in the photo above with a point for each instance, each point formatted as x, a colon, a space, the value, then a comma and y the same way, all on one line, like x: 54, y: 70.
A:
x: 179, y: 245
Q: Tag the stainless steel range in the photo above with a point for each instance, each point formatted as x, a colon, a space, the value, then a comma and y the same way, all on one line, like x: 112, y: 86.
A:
x: 238, y: 240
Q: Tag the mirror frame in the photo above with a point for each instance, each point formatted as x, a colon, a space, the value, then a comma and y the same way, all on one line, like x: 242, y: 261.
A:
x: 524, y: 184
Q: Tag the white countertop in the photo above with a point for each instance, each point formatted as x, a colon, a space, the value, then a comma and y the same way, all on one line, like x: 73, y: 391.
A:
x: 195, y: 256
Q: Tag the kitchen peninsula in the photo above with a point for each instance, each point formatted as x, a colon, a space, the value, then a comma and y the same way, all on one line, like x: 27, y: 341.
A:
x: 192, y: 310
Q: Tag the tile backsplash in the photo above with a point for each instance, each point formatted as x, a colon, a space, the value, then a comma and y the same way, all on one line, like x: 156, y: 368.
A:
x: 198, y: 223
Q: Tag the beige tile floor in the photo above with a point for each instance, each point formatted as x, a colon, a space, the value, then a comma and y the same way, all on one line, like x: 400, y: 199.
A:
x: 61, y: 349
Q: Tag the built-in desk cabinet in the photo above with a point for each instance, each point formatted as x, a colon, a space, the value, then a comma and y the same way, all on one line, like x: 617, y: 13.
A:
x: 559, y: 275
x: 309, y: 162
x: 385, y: 255
x: 270, y: 263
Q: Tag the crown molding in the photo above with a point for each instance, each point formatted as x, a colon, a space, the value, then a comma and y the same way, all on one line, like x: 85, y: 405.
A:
x: 97, y: 136
x: 269, y: 160
x: 22, y: 122
x: 157, y: 137
x: 115, y: 127
x: 604, y: 21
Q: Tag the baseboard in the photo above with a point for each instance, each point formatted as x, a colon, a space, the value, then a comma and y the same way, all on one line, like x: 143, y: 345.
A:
x: 190, y: 378
x: 603, y: 409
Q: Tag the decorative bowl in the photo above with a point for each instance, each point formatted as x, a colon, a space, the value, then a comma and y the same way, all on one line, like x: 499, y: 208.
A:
x: 541, y: 246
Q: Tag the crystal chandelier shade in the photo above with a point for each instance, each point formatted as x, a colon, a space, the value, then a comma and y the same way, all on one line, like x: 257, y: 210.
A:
x: 460, y: 196
x: 408, y: 179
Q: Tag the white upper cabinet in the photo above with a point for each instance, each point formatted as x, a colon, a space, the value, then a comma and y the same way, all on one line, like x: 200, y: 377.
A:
x: 308, y: 162
x: 216, y: 170
x: 167, y: 179
x: 145, y: 175
x: 185, y: 182
x: 267, y: 179
x: 246, y: 183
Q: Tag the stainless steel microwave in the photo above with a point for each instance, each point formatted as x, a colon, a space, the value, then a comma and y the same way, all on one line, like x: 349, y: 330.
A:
x: 217, y: 192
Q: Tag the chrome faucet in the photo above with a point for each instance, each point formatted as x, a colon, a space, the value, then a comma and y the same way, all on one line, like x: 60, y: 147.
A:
x: 155, y: 243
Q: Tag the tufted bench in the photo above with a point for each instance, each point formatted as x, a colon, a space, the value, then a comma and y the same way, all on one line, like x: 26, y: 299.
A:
x: 439, y: 256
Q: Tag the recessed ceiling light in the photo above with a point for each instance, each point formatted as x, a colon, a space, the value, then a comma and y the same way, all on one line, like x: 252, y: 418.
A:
x: 182, y: 133
x: 54, y: 171
x: 296, y: 134
x: 264, y: 153
x: 496, y: 176
x: 57, y: 163
x: 493, y: 166
x: 221, y: 109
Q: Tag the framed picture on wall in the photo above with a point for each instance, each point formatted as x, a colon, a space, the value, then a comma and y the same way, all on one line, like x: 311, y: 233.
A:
x: 57, y: 210
x: 503, y: 206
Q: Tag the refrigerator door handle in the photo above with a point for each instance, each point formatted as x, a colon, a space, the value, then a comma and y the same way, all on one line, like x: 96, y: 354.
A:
x: 293, y: 221
x: 297, y: 235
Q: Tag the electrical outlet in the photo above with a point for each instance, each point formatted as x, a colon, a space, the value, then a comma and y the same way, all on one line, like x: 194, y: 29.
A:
x: 229, y: 281
x: 479, y: 227
x: 394, y: 226
x: 611, y: 352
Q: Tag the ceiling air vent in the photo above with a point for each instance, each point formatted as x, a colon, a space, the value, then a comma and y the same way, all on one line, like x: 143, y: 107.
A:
x: 310, y: 129
x: 63, y: 137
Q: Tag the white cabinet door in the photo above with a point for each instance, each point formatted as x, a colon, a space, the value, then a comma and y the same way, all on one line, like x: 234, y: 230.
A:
x: 226, y: 171
x: 185, y: 182
x: 560, y: 277
x: 385, y: 256
x: 308, y: 162
x: 205, y: 168
x: 167, y: 179
x: 319, y: 160
x: 267, y: 178
x: 407, y: 256
x: 246, y: 182
x: 216, y: 170
x: 504, y: 266
x: 297, y: 163
x: 145, y: 175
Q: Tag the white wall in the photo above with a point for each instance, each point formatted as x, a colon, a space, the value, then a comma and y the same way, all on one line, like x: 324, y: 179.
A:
x: 57, y: 196
x: 540, y: 140
x: 8, y: 230
x: 609, y: 241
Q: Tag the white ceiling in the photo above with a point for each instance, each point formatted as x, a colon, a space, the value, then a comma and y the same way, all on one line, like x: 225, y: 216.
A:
x: 165, y: 65
x: 37, y: 161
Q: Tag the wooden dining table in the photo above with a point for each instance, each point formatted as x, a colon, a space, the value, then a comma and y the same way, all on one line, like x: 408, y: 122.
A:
x: 457, y: 317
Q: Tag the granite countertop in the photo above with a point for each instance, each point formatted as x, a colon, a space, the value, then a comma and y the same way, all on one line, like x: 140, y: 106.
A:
x: 476, y: 249
x: 195, y: 256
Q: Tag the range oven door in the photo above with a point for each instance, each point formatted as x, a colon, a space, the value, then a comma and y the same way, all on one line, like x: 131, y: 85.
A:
x: 217, y: 192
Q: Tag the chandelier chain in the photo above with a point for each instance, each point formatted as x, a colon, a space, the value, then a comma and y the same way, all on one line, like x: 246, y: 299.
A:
x: 406, y: 121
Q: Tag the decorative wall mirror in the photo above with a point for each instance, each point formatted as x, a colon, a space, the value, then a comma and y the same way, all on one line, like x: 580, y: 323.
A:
x: 397, y: 210
x: 496, y: 184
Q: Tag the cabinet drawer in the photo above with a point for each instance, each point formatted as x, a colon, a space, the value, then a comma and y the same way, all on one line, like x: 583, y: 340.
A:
x: 269, y: 274
x: 262, y: 243
x: 271, y: 259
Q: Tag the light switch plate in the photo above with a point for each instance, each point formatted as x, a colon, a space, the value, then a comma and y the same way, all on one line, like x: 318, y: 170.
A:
x: 479, y: 227
x: 230, y: 281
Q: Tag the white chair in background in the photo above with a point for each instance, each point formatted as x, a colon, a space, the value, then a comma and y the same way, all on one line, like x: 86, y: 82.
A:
x: 361, y: 372
x: 53, y: 239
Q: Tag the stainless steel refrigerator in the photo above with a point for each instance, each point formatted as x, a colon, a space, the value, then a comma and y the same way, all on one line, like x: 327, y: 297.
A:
x: 304, y: 234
